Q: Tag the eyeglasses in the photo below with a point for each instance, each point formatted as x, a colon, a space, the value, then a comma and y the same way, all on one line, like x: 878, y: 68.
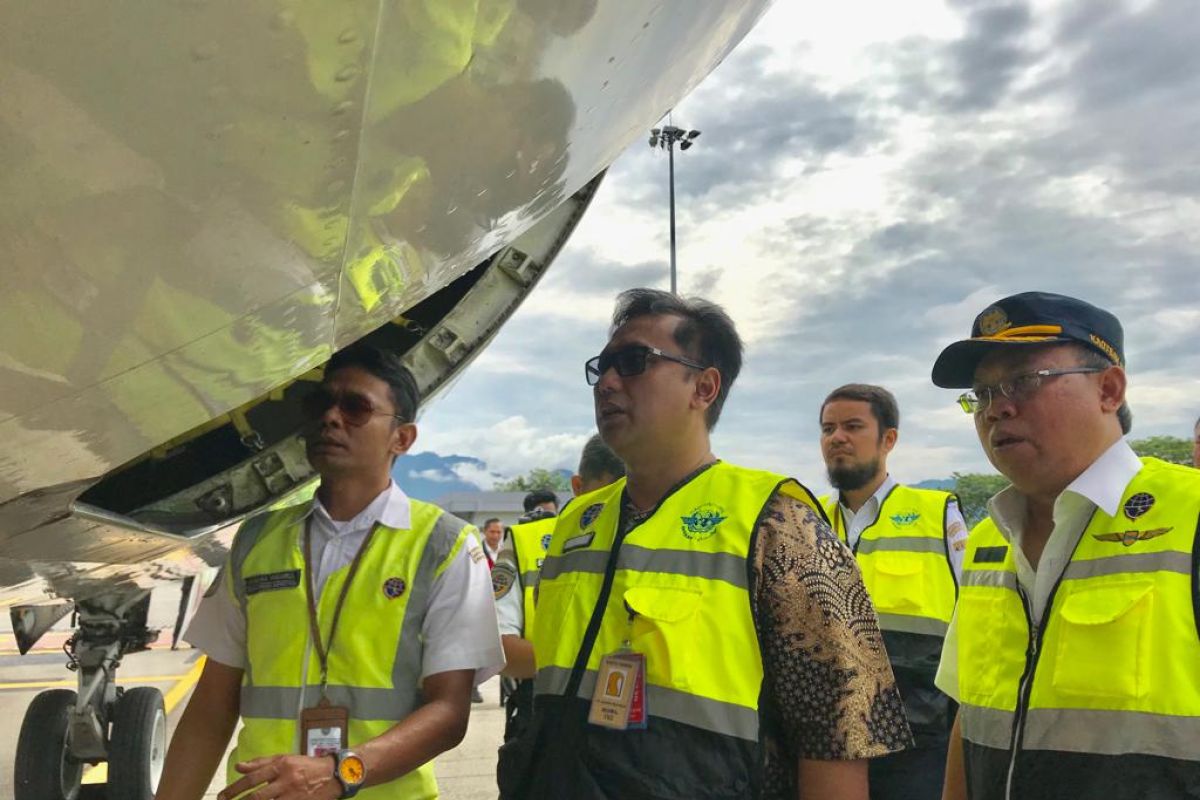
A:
x: 1018, y: 388
x: 629, y: 360
x: 356, y: 409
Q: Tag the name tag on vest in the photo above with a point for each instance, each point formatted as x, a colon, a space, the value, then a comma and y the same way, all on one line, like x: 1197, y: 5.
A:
x: 576, y: 542
x: 272, y: 581
x: 991, y: 555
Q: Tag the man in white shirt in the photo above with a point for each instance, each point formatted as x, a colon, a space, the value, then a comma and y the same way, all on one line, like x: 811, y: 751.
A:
x: 493, y: 534
x: 909, y: 544
x: 332, y: 702
x: 1074, y: 652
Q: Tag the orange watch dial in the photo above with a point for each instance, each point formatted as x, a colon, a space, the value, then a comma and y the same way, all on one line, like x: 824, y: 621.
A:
x: 351, y: 769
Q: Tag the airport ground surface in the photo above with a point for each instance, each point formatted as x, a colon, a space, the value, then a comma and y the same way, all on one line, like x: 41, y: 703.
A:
x: 466, y: 773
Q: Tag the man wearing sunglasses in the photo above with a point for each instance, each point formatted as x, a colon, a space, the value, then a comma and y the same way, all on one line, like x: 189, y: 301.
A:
x: 1074, y: 652
x: 700, y: 632
x: 347, y: 631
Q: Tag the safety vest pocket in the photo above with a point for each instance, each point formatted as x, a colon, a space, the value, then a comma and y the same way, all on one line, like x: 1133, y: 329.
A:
x: 662, y: 628
x: 554, y: 600
x: 899, y: 584
x: 1103, y: 648
x: 988, y: 675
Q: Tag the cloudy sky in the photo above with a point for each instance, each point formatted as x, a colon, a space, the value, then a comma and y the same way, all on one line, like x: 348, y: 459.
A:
x: 871, y: 176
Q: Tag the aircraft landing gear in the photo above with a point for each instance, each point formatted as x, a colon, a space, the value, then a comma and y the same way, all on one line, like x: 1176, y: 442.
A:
x: 64, y: 730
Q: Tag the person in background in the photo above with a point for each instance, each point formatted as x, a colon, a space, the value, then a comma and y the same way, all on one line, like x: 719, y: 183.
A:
x: 493, y: 533
x: 515, y: 577
x: 909, y: 544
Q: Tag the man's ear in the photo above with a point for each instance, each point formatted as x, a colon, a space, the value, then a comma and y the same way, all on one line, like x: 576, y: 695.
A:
x: 403, y: 437
x: 576, y: 485
x: 1112, y: 389
x: 707, y: 387
x: 889, y: 440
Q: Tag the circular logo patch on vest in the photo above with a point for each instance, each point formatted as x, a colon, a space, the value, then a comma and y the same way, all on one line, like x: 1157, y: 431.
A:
x: 589, y: 515
x: 703, y: 521
x: 546, y: 541
x: 394, y: 587
x: 1138, y: 505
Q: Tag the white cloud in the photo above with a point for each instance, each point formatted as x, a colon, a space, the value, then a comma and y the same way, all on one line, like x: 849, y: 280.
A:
x: 510, y: 447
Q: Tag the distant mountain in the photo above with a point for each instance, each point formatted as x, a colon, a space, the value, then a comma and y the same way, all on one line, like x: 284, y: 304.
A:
x: 943, y: 484
x: 427, y: 476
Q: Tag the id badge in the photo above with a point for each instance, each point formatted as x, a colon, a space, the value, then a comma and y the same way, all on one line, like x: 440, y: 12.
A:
x: 619, y: 699
x: 324, y: 729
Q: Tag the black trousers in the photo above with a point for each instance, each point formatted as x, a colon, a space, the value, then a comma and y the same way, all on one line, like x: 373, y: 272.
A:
x: 916, y: 774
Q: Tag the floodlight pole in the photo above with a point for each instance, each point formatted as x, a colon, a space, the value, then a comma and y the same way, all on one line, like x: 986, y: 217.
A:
x: 667, y: 138
x: 671, y: 171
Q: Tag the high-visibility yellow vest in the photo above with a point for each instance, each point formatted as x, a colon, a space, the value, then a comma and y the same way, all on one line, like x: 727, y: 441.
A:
x: 375, y: 662
x: 904, y: 562
x: 1102, y: 699
x: 907, y: 572
x: 530, y: 541
x: 675, y: 588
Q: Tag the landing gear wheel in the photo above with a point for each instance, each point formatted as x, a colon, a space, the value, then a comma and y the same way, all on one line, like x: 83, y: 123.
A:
x: 138, y: 746
x: 45, y: 769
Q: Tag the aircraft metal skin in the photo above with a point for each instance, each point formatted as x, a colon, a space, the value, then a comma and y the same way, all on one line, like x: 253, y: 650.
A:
x: 201, y: 200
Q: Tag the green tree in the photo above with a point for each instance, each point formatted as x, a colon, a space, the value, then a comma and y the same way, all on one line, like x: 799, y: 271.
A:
x: 973, y: 490
x: 554, y: 480
x: 1168, y: 448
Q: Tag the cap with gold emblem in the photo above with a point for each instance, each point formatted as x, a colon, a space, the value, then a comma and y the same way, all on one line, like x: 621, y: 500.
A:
x: 350, y: 771
x: 1026, y: 319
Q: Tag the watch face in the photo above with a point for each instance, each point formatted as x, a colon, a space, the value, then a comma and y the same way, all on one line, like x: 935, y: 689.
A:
x: 351, y: 770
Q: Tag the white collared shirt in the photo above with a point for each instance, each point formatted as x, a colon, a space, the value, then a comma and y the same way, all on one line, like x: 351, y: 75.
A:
x: 856, y: 522
x: 459, y: 630
x: 1100, y: 486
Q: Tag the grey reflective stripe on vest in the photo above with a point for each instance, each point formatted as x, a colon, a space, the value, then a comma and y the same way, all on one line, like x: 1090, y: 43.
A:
x: 247, y: 536
x: 725, y: 567
x: 529, y: 580
x: 989, y: 727
x: 406, y: 671
x: 907, y: 544
x: 995, y: 578
x: 1166, y: 561
x: 281, y: 702
x: 906, y: 623
x: 1087, y: 730
x: 728, y: 719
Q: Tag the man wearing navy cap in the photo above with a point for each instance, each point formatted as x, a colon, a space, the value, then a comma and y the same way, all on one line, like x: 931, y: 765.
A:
x: 1075, y: 648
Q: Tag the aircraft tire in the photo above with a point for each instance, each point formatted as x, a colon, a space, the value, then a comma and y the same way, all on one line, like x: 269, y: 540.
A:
x: 44, y: 767
x: 138, y: 746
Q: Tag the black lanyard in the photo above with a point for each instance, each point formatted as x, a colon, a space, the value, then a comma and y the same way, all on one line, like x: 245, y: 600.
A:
x: 323, y: 648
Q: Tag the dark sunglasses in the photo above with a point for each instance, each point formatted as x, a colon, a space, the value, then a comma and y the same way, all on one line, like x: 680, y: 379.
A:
x: 629, y: 360
x: 356, y: 409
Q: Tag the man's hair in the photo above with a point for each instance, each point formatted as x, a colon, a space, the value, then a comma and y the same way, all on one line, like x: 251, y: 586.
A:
x: 1091, y: 358
x: 882, y: 402
x: 388, y: 368
x: 490, y: 520
x: 539, y: 496
x: 705, y: 333
x: 598, y: 460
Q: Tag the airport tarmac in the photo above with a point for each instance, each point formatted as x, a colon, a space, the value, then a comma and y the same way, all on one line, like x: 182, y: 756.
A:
x: 466, y: 773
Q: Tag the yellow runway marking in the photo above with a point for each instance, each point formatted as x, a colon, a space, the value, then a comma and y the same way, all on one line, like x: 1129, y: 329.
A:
x: 99, y: 773
x: 70, y: 684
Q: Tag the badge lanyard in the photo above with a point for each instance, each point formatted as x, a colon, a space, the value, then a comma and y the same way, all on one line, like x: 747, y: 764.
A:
x: 324, y: 648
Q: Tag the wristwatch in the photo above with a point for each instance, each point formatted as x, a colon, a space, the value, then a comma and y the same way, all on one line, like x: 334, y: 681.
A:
x: 350, y: 771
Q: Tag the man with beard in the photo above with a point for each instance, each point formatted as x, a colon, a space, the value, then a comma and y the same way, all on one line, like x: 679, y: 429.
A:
x: 909, y: 544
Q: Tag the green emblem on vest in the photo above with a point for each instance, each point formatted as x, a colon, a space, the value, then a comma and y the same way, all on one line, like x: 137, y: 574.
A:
x: 703, y: 521
x: 905, y: 519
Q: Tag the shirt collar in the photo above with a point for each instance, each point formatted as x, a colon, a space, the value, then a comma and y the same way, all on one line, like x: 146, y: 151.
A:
x: 1102, y: 484
x: 888, y: 484
x: 391, y: 507
x: 1105, y: 481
